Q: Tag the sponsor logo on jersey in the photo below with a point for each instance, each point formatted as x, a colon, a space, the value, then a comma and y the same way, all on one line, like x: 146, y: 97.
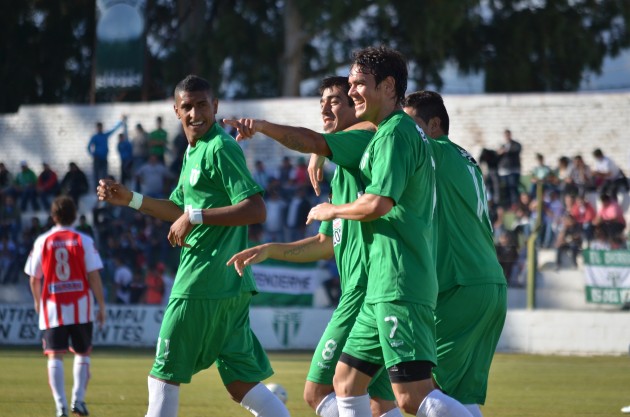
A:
x: 337, y: 231
x: 67, y: 286
x: 194, y: 176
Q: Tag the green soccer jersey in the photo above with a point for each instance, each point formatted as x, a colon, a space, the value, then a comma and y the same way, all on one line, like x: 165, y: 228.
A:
x: 214, y: 174
x: 398, y: 164
x: 466, y: 254
x: 348, y: 241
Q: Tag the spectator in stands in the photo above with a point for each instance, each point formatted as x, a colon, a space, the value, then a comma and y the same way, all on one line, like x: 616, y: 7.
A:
x: 509, y: 167
x: 137, y: 287
x: 299, y: 175
x: 584, y: 214
x: 608, y: 177
x: 284, y: 174
x: 600, y: 239
x: 84, y: 227
x: 47, y: 185
x: 98, y: 148
x: 8, y: 265
x: 74, y: 183
x: 140, y: 146
x: 6, y: 180
x: 276, y: 210
x: 541, y: 174
x: 25, y: 186
x: 507, y: 254
x: 489, y: 159
x: 554, y: 209
x: 125, y: 151
x: 580, y: 180
x: 154, y: 178
x: 35, y: 229
x: 610, y: 216
x: 158, y: 139
x: 560, y: 174
x: 122, y: 281
x: 297, y: 212
x: 260, y: 174
x: 154, y: 284
x: 10, y: 217
x: 569, y: 240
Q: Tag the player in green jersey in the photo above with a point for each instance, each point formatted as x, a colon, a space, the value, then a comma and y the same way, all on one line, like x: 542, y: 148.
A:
x: 207, y: 317
x: 341, y: 238
x: 469, y: 274
x: 395, y: 326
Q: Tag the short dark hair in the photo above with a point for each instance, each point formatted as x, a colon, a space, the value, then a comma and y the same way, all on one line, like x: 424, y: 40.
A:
x: 597, y: 153
x: 193, y: 83
x: 383, y: 62
x: 336, y: 81
x: 428, y: 104
x: 63, y: 210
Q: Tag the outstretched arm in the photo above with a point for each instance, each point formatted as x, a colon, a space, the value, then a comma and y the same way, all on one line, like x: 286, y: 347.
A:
x: 118, y: 195
x: 310, y: 249
x: 297, y: 138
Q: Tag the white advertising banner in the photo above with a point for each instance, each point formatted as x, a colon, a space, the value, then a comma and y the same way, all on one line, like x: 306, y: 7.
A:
x: 286, y: 280
x: 607, y: 276
x: 138, y: 326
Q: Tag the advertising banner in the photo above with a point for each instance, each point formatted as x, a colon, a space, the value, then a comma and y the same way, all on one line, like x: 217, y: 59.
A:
x: 286, y: 285
x: 138, y: 326
x: 607, y: 276
x: 119, y: 44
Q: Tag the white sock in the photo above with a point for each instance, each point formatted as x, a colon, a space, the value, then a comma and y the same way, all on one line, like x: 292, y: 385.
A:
x: 55, y: 380
x: 438, y: 404
x: 81, y: 374
x: 473, y: 409
x: 354, y: 406
x: 328, y: 406
x: 394, y: 412
x: 163, y: 399
x: 263, y: 403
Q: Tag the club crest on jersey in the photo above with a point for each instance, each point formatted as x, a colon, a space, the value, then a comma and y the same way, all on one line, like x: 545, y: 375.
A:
x: 194, y: 176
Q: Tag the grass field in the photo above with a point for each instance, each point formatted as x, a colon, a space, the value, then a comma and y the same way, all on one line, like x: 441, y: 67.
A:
x: 520, y: 385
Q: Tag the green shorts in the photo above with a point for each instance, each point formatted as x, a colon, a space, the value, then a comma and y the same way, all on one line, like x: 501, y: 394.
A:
x: 467, y: 337
x: 334, y: 339
x: 389, y: 333
x: 196, y: 333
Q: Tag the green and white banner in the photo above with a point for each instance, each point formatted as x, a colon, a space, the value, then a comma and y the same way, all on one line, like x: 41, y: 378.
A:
x: 281, y: 285
x: 119, y: 44
x: 607, y: 276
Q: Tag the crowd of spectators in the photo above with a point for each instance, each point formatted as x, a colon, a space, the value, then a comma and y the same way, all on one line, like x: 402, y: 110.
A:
x: 139, y: 262
x: 579, y: 206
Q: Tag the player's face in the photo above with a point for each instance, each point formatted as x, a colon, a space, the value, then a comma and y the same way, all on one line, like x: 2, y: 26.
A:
x: 412, y: 112
x: 367, y: 96
x: 196, y: 110
x: 337, y: 114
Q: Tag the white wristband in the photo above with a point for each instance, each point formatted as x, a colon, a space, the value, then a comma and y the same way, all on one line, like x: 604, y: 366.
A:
x: 136, y: 201
x: 195, y: 216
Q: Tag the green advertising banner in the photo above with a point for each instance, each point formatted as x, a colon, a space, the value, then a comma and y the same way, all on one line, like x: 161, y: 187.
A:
x: 119, y: 44
x: 607, y: 276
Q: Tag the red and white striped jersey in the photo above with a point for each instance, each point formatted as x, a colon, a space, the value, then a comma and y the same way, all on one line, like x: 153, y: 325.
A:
x: 62, y: 257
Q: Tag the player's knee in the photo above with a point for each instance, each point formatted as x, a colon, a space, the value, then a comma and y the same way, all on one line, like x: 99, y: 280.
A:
x: 315, y: 393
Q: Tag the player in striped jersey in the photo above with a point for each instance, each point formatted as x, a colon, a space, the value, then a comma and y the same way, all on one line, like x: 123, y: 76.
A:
x: 64, y: 276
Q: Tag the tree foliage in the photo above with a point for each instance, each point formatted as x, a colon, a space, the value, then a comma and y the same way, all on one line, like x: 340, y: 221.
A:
x: 266, y: 48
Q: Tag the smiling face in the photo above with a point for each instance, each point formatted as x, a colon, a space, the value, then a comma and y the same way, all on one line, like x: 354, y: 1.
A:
x: 337, y: 113
x: 196, y: 110
x: 372, y: 102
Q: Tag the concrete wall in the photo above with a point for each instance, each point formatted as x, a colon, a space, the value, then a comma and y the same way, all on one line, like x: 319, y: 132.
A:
x: 553, y: 124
